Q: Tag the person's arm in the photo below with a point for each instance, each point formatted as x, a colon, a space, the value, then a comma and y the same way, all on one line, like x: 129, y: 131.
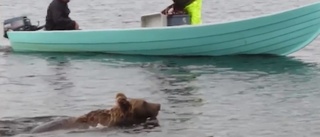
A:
x: 62, y: 21
x: 181, y: 4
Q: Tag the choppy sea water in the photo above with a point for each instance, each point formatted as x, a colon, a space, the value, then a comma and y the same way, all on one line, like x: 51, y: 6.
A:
x: 243, y: 96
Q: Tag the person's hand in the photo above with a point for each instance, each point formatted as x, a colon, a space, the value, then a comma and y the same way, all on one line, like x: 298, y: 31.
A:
x: 170, y: 11
x: 77, y: 26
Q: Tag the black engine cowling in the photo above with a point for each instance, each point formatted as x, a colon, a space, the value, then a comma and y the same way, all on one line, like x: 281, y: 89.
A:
x: 21, y: 23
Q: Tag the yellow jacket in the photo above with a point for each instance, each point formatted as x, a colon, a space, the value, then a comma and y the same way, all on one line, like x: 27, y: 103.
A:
x: 194, y: 9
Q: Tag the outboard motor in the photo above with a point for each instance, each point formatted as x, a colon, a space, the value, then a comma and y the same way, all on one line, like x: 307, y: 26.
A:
x: 21, y: 23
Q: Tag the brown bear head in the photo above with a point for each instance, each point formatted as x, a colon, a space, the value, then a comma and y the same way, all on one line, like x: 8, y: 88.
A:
x: 143, y: 110
x: 135, y: 111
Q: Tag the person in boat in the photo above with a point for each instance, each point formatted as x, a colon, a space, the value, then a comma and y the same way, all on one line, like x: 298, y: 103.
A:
x: 191, y: 7
x: 58, y: 16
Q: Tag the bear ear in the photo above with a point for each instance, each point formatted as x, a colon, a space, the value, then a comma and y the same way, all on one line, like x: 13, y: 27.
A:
x: 123, y: 103
x: 120, y: 95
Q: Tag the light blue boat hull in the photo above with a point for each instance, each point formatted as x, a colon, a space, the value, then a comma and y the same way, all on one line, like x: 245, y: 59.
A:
x: 278, y: 34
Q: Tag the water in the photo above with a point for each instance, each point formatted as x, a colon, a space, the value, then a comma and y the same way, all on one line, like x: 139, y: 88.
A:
x: 246, y: 96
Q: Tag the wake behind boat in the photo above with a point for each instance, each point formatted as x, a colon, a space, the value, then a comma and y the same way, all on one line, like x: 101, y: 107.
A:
x: 280, y: 34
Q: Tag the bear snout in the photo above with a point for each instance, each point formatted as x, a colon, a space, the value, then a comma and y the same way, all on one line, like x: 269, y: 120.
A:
x: 155, y: 108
